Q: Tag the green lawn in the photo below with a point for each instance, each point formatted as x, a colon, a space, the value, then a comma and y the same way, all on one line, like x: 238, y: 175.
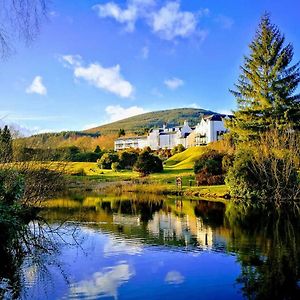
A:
x: 185, y: 159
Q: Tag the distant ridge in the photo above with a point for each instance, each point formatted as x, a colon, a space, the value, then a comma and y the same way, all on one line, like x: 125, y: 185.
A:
x: 136, y: 124
x: 105, y: 135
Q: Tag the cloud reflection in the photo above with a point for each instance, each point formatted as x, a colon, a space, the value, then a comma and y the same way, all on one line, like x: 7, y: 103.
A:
x: 102, y: 284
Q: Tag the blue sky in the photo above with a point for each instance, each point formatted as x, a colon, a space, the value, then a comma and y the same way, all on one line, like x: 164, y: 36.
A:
x: 98, y: 61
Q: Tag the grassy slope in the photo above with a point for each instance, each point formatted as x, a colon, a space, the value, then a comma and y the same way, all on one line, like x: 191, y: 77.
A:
x: 185, y: 159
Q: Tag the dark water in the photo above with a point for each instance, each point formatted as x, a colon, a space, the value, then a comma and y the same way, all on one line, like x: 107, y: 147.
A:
x: 134, y: 247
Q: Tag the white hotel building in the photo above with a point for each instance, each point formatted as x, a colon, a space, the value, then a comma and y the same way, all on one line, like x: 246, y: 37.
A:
x: 210, y: 129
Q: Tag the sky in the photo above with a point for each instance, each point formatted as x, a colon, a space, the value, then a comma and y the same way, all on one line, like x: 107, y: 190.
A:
x: 97, y: 61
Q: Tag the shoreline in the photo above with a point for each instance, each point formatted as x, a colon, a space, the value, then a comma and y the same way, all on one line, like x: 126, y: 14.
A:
x: 146, y: 186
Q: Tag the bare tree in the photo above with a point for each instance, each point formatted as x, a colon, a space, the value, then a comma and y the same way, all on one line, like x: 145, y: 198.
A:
x: 20, y: 20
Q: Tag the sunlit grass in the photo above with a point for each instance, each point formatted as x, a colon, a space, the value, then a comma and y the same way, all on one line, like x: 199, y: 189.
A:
x: 185, y: 159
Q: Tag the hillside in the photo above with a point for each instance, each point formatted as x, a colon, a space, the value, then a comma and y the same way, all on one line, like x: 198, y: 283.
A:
x: 105, y: 135
x: 138, y: 123
x: 185, y: 159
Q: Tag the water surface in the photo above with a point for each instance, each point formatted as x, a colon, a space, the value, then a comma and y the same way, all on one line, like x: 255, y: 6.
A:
x: 139, y: 247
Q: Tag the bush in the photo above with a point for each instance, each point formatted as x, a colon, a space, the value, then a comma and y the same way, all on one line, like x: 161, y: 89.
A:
x: 211, y: 161
x: 177, y: 149
x: 87, y: 157
x: 208, y: 168
x: 256, y: 176
x: 205, y: 178
x: 127, y: 159
x: 148, y: 163
x: 11, y: 187
x: 106, y: 160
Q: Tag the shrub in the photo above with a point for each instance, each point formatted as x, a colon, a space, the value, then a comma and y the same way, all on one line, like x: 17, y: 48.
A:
x: 177, y: 149
x: 87, y: 157
x: 211, y: 161
x: 205, y: 178
x: 11, y: 186
x: 208, y: 168
x: 106, y: 160
x: 127, y: 159
x: 265, y: 176
x: 148, y: 163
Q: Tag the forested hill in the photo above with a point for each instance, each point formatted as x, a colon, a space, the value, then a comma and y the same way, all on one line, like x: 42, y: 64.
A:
x: 105, y: 135
x: 137, y: 124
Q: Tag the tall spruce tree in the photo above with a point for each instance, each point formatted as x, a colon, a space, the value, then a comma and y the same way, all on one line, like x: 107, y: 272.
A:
x: 265, y: 91
x: 6, y: 150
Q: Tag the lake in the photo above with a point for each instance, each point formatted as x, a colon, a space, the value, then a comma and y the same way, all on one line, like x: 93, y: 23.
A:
x: 88, y: 246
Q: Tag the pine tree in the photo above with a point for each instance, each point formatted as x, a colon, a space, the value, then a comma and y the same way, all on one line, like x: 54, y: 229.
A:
x: 6, y: 151
x: 265, y: 91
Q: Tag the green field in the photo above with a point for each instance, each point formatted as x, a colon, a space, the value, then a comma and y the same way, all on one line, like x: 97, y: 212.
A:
x: 185, y: 159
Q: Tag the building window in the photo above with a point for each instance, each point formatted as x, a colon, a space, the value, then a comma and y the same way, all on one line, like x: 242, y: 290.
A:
x: 200, y: 139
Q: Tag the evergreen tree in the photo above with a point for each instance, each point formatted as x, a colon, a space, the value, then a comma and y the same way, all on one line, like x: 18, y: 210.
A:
x: 6, y: 150
x: 265, y: 91
x: 121, y: 132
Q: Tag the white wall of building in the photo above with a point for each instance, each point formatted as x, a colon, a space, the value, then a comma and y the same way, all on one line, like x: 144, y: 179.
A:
x: 171, y: 137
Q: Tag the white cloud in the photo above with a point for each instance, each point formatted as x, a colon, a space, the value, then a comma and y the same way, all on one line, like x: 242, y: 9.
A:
x: 109, y: 79
x: 73, y: 60
x: 103, y: 284
x: 117, y: 112
x: 173, y: 83
x: 127, y: 16
x: 37, y: 87
x: 169, y: 22
x: 174, y: 277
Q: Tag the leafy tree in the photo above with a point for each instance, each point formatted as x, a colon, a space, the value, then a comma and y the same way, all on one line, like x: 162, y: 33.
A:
x: 148, y: 163
x: 265, y: 91
x: 107, y: 159
x: 6, y: 150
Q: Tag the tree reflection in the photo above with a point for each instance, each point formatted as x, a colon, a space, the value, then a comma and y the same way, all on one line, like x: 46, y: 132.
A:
x: 28, y: 250
x: 266, y: 241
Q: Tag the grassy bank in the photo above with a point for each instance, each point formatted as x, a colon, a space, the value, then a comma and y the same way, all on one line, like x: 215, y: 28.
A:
x: 88, y: 176
x: 130, y: 181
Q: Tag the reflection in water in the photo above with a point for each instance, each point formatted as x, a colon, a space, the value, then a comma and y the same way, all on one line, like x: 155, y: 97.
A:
x: 270, y: 267
x: 128, y: 247
x: 104, y: 283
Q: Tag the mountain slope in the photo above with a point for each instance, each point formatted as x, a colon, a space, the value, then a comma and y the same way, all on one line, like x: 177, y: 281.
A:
x: 138, y: 123
x: 105, y: 135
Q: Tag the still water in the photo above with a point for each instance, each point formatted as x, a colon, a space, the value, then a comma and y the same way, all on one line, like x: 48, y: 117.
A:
x: 139, y: 247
